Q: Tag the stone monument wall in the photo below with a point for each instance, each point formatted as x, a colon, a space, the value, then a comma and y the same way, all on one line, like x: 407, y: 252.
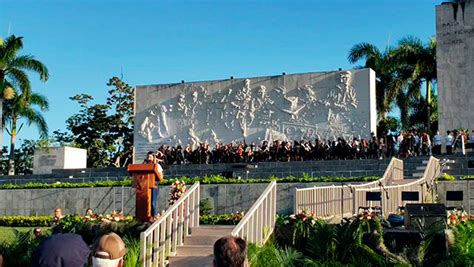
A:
x: 47, y: 159
x: 286, y: 107
x: 455, y: 64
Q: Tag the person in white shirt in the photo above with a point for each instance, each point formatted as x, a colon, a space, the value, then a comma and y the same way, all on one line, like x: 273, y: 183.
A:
x: 437, y: 139
x: 449, y: 143
x: 417, y: 143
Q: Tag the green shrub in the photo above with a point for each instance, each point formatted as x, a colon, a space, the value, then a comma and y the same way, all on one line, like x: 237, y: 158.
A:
x: 19, y: 252
x: 25, y: 221
x: 216, y: 179
x: 91, y: 230
x: 468, y: 177
x: 271, y: 255
x: 125, y: 182
x: 132, y: 258
x: 205, y: 207
x: 446, y: 177
x: 221, y: 219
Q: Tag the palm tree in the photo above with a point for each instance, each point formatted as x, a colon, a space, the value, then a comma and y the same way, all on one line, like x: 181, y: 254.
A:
x: 21, y: 107
x: 417, y: 63
x: 400, y: 72
x: 13, y: 69
x: 383, y: 66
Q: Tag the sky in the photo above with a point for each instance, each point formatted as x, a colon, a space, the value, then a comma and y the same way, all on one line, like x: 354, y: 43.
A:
x: 84, y: 43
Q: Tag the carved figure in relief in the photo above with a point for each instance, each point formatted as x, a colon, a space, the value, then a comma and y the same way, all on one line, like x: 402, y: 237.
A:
x: 164, y: 120
x: 344, y: 94
x: 154, y: 124
x: 307, y: 94
x: 244, y: 105
x: 182, y: 104
x: 193, y: 138
x: 294, y: 108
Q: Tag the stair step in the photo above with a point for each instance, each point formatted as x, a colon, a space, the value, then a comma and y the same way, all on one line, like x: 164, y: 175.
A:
x: 417, y: 174
x: 212, y: 230
x: 201, y: 240
x: 198, y: 261
x: 421, y: 168
x: 425, y: 161
x: 194, y: 250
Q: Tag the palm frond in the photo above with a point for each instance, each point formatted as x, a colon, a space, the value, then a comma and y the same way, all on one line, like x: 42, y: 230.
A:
x: 19, y: 78
x: 364, y: 51
x: 35, y: 117
x: 10, y: 47
x: 28, y: 62
x: 40, y: 100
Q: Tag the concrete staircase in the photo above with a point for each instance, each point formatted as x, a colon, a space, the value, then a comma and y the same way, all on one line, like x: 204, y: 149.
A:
x: 420, y: 170
x: 198, y: 247
x: 413, y: 168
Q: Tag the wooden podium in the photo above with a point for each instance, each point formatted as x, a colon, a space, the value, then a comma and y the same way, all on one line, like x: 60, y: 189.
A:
x: 144, y: 180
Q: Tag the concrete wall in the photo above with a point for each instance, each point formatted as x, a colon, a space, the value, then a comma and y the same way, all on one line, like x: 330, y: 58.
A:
x: 224, y: 198
x: 467, y: 187
x: 292, y: 106
x: 455, y: 64
x: 47, y: 159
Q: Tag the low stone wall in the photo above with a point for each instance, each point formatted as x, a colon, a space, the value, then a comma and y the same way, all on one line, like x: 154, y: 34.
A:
x: 224, y: 198
x: 466, y: 186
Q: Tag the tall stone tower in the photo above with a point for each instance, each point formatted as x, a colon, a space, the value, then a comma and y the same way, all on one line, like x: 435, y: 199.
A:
x: 455, y: 64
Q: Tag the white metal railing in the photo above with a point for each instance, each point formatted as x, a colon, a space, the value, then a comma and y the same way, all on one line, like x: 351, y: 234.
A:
x: 338, y: 199
x: 165, y: 234
x: 391, y: 196
x: 259, y: 222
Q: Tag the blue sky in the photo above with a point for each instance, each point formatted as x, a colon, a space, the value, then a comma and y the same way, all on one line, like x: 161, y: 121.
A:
x: 84, y: 43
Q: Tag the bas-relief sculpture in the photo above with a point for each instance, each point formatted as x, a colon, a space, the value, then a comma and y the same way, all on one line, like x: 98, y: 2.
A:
x: 455, y: 64
x: 265, y: 108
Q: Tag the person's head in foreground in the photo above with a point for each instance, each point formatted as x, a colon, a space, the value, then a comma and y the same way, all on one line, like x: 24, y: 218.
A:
x: 230, y: 251
x: 109, y: 251
x: 61, y: 250
x: 37, y: 232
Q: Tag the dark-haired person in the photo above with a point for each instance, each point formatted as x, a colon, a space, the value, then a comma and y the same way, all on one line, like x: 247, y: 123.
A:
x: 151, y: 158
x: 230, y: 251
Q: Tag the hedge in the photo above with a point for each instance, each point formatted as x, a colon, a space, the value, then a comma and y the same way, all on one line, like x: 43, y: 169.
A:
x: 26, y: 221
x: 71, y: 221
x: 217, y: 179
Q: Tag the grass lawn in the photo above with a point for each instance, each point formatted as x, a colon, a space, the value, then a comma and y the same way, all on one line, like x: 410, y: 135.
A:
x: 7, y: 234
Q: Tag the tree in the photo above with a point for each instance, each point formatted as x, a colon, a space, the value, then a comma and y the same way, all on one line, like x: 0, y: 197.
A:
x: 417, y: 62
x: 383, y: 66
x: 400, y: 72
x: 105, y: 130
x: 22, y: 107
x: 13, y: 69
x: 23, y: 157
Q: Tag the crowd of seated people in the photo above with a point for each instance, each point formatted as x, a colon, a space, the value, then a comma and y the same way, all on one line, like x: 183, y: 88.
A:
x: 404, y: 144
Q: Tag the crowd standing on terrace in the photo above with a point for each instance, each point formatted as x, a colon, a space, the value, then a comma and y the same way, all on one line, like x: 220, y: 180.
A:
x: 403, y: 145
